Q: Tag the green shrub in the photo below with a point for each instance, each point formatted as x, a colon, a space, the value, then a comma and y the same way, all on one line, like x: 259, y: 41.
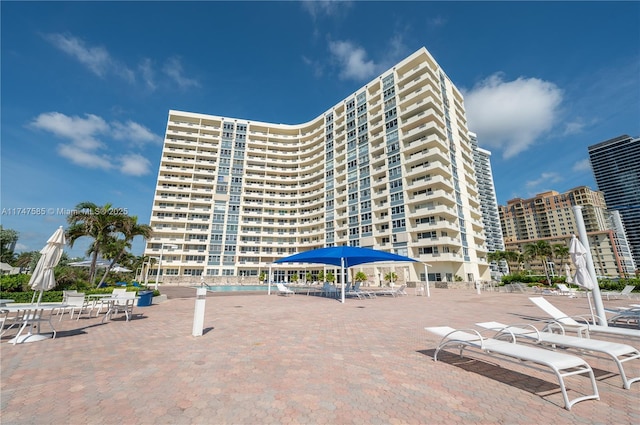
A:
x: 14, y: 282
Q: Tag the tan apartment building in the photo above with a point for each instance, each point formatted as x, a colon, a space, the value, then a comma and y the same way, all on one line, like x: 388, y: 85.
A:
x: 548, y: 216
x: 389, y: 167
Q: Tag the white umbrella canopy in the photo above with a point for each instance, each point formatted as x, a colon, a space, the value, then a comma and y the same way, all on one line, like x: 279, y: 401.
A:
x: 120, y: 269
x: 43, y: 278
x: 87, y: 263
x: 578, y: 255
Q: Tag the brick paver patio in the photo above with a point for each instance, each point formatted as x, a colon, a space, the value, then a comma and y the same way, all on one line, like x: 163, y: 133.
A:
x: 300, y: 360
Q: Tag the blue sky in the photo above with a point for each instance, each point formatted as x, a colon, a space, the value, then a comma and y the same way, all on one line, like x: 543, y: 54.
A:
x: 86, y: 86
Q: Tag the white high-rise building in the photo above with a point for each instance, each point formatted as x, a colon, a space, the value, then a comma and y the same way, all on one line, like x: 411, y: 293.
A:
x: 489, y: 205
x: 390, y: 167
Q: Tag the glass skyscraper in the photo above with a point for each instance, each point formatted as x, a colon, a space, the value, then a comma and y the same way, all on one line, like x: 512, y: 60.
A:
x: 616, y: 166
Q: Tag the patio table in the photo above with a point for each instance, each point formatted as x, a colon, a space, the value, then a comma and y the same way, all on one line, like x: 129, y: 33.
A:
x: 29, y: 315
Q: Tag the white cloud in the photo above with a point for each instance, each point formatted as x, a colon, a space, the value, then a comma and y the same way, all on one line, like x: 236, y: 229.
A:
x: 545, y: 178
x: 82, y: 131
x: 173, y: 69
x: 436, y: 22
x: 86, y: 150
x: 148, y: 73
x: 134, y: 165
x: 133, y: 132
x: 315, y: 66
x: 317, y: 8
x: 511, y: 115
x: 582, y: 165
x: 574, y: 127
x: 84, y: 158
x: 352, y: 60
x: 97, y: 59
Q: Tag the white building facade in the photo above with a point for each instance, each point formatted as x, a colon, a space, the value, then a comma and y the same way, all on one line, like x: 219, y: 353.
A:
x: 390, y: 167
x: 489, y: 206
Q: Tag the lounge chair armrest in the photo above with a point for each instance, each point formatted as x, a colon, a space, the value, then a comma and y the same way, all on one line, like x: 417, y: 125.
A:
x: 553, y: 325
x: 449, y: 337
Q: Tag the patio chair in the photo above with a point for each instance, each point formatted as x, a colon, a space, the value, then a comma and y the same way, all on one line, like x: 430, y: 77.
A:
x: 619, y: 353
x: 283, y: 290
x: 561, y: 364
x: 74, y: 302
x: 626, y: 292
x: 123, y: 303
x: 329, y: 290
x: 580, y: 327
x: 7, y: 318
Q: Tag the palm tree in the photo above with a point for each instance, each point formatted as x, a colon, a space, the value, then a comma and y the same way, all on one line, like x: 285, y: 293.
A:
x: 501, y: 258
x: 330, y: 277
x: 542, y: 251
x: 390, y: 277
x: 91, y: 221
x: 560, y: 252
x: 26, y: 259
x: 127, y: 226
x: 360, y: 277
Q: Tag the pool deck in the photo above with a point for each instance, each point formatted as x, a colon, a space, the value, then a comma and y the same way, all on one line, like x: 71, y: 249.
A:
x: 298, y: 360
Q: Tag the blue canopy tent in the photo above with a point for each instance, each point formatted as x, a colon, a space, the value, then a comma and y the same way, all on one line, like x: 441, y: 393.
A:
x: 345, y: 257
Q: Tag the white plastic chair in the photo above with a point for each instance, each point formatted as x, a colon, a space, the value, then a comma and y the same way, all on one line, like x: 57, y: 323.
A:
x: 74, y: 302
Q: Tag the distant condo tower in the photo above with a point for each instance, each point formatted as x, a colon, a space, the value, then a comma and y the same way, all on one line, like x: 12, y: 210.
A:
x: 391, y: 167
x: 616, y: 166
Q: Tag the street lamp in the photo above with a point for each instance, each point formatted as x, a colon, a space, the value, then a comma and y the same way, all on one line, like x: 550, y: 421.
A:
x: 170, y: 246
x: 147, y: 264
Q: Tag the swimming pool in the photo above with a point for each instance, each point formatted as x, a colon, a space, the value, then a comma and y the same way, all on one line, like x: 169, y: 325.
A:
x: 237, y: 288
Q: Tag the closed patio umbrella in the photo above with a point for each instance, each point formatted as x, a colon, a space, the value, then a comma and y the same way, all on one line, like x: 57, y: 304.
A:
x: 578, y: 255
x: 582, y: 277
x: 43, y: 278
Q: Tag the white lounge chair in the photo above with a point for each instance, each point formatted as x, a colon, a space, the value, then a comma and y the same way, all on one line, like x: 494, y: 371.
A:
x: 626, y: 292
x: 329, y: 290
x: 283, y: 290
x: 627, y: 315
x: 396, y: 292
x: 619, y: 353
x: 360, y: 293
x: 561, y: 364
x: 565, y: 290
x: 586, y: 327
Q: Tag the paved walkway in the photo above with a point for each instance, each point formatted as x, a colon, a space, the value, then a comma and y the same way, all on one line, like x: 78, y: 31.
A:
x: 299, y: 360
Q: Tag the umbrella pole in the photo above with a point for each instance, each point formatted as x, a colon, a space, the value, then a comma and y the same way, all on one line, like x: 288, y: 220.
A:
x: 343, y: 277
x: 590, y: 306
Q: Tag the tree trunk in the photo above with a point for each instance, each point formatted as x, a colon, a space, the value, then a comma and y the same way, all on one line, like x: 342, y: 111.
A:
x: 106, y: 272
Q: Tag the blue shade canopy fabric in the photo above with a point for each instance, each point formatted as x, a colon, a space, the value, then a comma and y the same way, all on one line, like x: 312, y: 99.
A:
x: 352, y: 256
